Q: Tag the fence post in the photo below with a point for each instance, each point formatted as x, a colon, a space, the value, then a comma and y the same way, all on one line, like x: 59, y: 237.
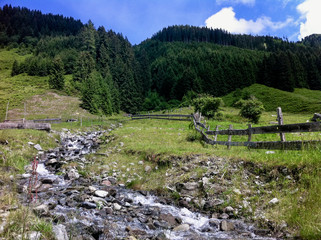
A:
x: 25, y: 110
x: 6, y: 118
x: 215, y: 136
x: 250, y: 132
x: 280, y: 122
x: 229, y: 137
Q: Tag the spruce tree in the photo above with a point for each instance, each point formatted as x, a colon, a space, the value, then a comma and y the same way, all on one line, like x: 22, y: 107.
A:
x: 15, y: 68
x: 56, y: 77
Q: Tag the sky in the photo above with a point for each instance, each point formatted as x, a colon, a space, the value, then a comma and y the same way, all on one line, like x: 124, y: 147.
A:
x: 140, y: 19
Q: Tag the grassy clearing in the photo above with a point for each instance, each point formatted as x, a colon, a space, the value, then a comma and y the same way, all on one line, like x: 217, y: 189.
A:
x: 18, y: 88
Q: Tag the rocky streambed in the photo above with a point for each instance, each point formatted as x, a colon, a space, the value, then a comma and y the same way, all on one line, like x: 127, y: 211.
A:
x: 98, y: 207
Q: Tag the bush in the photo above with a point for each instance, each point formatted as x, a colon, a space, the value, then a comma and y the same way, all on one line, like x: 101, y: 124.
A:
x: 252, y: 109
x: 207, y: 105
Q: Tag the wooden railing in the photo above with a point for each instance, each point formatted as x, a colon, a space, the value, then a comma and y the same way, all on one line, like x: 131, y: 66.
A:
x: 175, y: 117
x: 279, y: 129
x: 48, y: 120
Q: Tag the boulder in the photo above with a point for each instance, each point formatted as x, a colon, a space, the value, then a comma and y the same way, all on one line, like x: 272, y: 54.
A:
x: 101, y: 193
x: 60, y: 232
x: 38, y: 147
x: 73, y: 174
x: 41, y: 210
x: 181, y: 228
x: 116, y: 206
x: 34, y: 235
x: 227, y: 226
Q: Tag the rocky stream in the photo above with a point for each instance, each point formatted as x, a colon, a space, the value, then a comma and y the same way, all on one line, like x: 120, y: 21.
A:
x: 98, y: 207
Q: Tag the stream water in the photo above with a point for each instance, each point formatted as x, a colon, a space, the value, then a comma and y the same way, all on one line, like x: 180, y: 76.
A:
x: 98, y: 208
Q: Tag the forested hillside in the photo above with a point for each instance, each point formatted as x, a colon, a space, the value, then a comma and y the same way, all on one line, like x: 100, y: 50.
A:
x: 109, y: 74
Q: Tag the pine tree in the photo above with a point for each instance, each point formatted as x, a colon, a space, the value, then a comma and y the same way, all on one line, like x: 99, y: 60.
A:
x: 56, y: 78
x: 15, y: 68
x: 84, y: 66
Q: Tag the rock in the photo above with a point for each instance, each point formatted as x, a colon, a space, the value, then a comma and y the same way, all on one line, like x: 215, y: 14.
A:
x: 73, y: 174
x: 224, y: 216
x: 101, y: 193
x: 274, y: 201
x: 41, y: 210
x: 92, y: 189
x: 112, y: 180
x: 237, y: 191
x: 60, y: 232
x: 99, y: 200
x: 31, y: 143
x: 47, y: 180
x: 109, y: 210
x: 227, y: 226
x: 106, y: 183
x: 205, y: 181
x: 38, y: 147
x: 131, y: 238
x: 34, y: 235
x: 228, y: 209
x: 44, y: 187
x: 88, y: 205
x: 181, y: 228
x: 185, y: 169
x: 140, y: 162
x: 161, y: 236
x: 190, y: 186
x: 116, y: 206
x: 51, y: 162
x: 148, y: 169
x: 168, y: 218
x: 214, y: 222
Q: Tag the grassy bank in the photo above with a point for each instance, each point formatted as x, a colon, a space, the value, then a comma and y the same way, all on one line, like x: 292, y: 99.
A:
x: 157, y: 143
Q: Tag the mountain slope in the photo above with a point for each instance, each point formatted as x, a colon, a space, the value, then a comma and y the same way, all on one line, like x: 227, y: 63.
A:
x: 301, y: 100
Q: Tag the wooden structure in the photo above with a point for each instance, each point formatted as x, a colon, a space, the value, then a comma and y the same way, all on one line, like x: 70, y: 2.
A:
x: 175, y: 117
x: 25, y: 125
x: 278, y: 129
x: 48, y: 120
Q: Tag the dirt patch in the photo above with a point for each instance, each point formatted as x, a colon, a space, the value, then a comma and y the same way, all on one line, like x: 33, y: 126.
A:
x: 49, y: 105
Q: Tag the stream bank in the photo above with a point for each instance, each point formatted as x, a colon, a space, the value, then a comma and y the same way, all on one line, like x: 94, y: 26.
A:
x: 85, y: 207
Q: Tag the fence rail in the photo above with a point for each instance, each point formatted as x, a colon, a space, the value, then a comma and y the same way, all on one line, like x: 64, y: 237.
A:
x: 48, y: 120
x: 175, y: 117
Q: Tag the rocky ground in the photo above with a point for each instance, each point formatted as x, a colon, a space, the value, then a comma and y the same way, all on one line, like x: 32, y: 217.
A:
x: 205, y: 197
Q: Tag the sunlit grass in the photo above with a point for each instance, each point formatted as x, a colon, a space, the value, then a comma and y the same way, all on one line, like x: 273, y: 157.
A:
x: 299, y: 201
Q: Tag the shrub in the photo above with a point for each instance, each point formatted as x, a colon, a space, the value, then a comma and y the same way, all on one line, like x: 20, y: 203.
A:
x: 207, y: 105
x: 252, y: 109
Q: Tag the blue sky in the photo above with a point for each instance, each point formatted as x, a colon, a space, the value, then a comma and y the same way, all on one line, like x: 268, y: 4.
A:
x: 140, y: 19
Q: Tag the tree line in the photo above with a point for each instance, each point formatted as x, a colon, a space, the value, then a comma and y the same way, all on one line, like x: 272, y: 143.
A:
x: 112, y: 75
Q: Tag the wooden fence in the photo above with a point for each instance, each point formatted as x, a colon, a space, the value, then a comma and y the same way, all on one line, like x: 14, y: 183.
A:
x: 25, y: 125
x: 47, y: 120
x: 175, y: 117
x: 279, y: 129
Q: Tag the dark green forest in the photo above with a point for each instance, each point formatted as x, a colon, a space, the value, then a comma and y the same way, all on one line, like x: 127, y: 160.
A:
x: 111, y: 75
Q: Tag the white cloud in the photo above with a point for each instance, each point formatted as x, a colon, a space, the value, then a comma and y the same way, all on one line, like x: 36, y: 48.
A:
x: 310, y: 13
x: 225, y: 19
x: 246, y: 2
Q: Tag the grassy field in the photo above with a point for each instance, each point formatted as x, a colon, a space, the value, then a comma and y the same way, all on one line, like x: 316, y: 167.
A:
x: 161, y: 140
